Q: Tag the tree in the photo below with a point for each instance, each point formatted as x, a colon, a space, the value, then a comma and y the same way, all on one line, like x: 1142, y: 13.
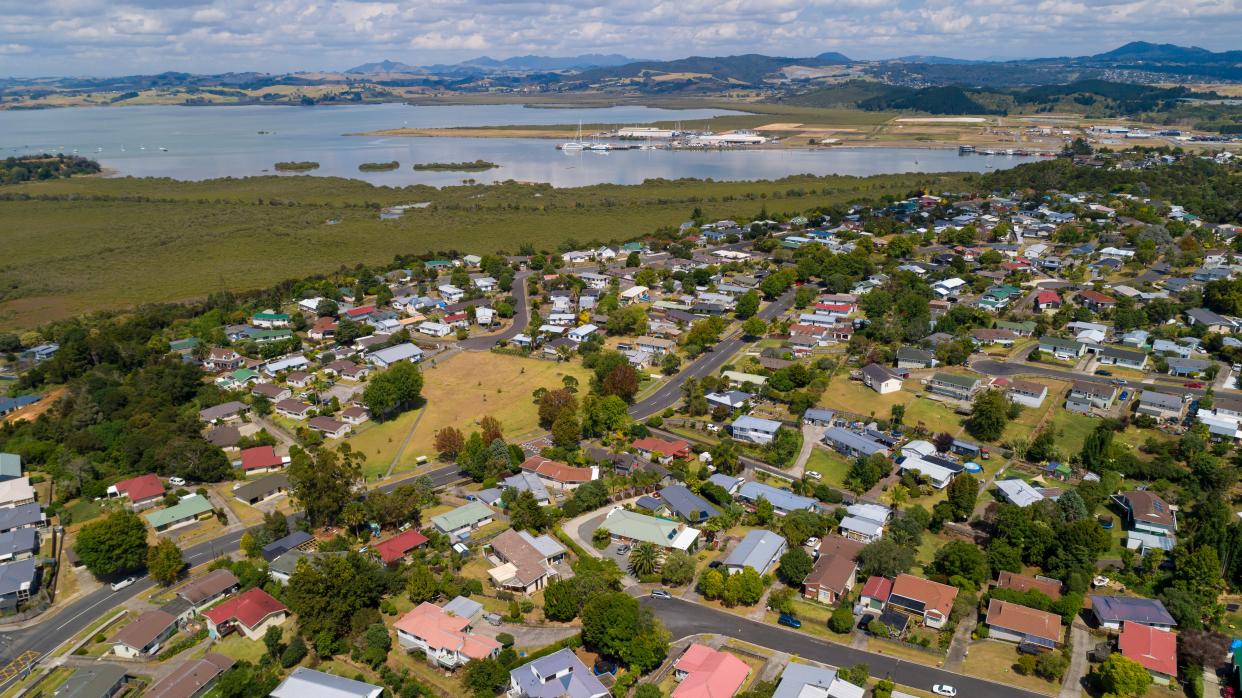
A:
x: 988, y: 416
x: 644, y: 560
x: 117, y: 543
x: 273, y: 640
x: 754, y: 327
x: 327, y: 592
x: 490, y: 428
x: 705, y: 333
x: 962, y: 493
x: 678, y: 568
x: 885, y: 558
x: 294, y: 653
x: 602, y: 416
x: 566, y: 431
x: 842, y: 620
x: 324, y: 483
x: 1072, y: 506
x: 648, y: 690
x: 961, y: 559
x: 614, y: 625
x: 621, y: 381
x: 747, y: 305
x: 1123, y: 677
x: 1051, y: 666
x: 164, y: 562
x: 711, y: 584
x: 394, y: 389
x: 485, y: 677
x: 1096, y: 447
x: 525, y: 514
x: 796, y: 564
x: 552, y: 403
x: 421, y: 585
x: 865, y: 473
x: 249, y: 546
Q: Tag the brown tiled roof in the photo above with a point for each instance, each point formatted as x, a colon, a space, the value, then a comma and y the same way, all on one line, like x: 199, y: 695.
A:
x: 1147, y: 506
x: 933, y: 595
x: 1021, y: 582
x: 1029, y: 621
x: 209, y: 585
x: 145, y: 629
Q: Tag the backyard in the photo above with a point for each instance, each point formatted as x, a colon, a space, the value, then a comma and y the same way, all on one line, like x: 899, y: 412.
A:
x: 994, y: 661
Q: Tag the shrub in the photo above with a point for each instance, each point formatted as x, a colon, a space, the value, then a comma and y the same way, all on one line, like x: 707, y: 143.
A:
x: 1025, y: 665
x: 505, y: 639
x: 842, y: 620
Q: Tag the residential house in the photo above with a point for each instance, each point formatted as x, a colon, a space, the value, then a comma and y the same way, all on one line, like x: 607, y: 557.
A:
x: 1188, y: 368
x: 936, y: 470
x: 1062, y: 348
x: 1171, y: 408
x: 221, y: 359
x: 1047, y: 301
x: 557, y: 675
x: 800, y: 680
x: 308, y: 683
x: 145, y: 635
x: 655, y: 345
x: 922, y: 598
x: 852, y: 444
x: 754, y: 429
x: 294, y: 409
x: 527, y: 563
x: 1154, y: 648
x: 251, y: 612
x: 270, y: 319
x: 207, y: 589
x: 664, y: 451
x: 261, y: 459
x: 1096, y: 301
x: 355, y: 415
x: 1213, y: 322
x: 627, y: 527
x: 1150, y: 521
x: 190, y: 509
x: 191, y: 679
x: 19, y: 580
x: 18, y: 544
x: 1111, y: 611
x: 223, y: 412
x: 141, y: 492
x: 461, y: 521
x: 96, y: 680
x: 579, y: 335
x: 818, y: 417
x: 834, y: 573
x: 759, y: 550
x: 1126, y: 358
x: 865, y: 522
x: 329, y: 427
x: 527, y: 481
x: 435, y: 329
x: 686, y: 505
x: 10, y: 466
x: 262, y: 489
x: 986, y: 337
x: 21, y: 517
x: 296, y: 540
x: 880, y: 379
x: 1024, y: 583
x: 1085, y: 396
x: 875, y: 594
x: 406, y: 351
x: 393, y: 550
x: 909, y: 357
x: 1018, y: 492
x: 954, y: 385
x: 271, y: 391
x: 559, y: 475
x: 782, y: 501
x: 1026, y: 626
x: 448, y: 640
x: 703, y: 672
x: 730, y: 399
x: 1026, y: 393
x: 451, y: 294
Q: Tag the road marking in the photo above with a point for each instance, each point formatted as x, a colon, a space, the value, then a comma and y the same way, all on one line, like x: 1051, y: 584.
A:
x: 79, y: 614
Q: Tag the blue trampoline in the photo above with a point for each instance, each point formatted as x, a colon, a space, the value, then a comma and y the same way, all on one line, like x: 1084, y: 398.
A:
x: 973, y: 467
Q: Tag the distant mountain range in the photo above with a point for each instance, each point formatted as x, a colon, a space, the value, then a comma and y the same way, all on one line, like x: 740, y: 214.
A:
x: 486, y: 64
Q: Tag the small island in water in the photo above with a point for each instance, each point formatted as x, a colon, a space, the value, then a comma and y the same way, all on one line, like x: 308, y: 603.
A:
x: 378, y: 166
x: 296, y: 166
x: 476, y: 166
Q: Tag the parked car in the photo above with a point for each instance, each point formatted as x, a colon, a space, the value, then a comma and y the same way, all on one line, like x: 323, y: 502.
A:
x: 623, y: 550
x: 944, y: 689
x: 788, y: 619
x: 1193, y: 384
x: 1103, y: 372
x: 176, y: 481
x: 1119, y: 381
x: 814, y: 475
x: 712, y: 427
x: 812, y: 542
x: 660, y: 594
x: 493, y: 618
x: 117, y: 586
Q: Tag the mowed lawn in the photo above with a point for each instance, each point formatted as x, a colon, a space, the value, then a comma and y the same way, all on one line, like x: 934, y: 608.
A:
x: 831, y: 465
x: 1024, y: 426
x: 460, y: 391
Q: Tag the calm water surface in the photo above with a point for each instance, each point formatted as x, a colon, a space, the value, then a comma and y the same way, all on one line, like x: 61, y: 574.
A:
x: 208, y: 142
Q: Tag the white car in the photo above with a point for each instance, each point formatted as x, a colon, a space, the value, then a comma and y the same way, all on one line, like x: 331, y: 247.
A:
x: 176, y: 481
x: 117, y: 586
x: 1101, y: 581
x: 944, y: 689
x: 713, y: 427
x: 814, y: 475
x: 812, y: 542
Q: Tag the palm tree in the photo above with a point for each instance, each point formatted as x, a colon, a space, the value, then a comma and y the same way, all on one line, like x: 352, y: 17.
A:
x: 644, y: 560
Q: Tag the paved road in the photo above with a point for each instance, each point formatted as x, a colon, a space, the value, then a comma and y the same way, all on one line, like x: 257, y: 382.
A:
x: 521, y: 318
x: 707, y: 364
x: 45, y: 636
x: 684, y: 618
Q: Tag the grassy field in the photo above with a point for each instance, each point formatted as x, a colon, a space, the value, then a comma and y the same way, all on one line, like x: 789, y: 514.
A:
x: 854, y: 397
x: 832, y: 465
x: 460, y: 391
x: 90, y: 243
x: 992, y: 660
x: 1073, y: 430
x: 1024, y: 426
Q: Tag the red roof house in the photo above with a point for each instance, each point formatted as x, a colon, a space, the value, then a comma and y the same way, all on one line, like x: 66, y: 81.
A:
x: 559, y: 475
x: 360, y: 311
x: 252, y: 612
x: 1096, y: 300
x: 392, y: 550
x: 261, y: 459
x: 1155, y: 649
x: 931, y: 600
x: 708, y: 673
x: 875, y: 592
x: 668, y: 449
x: 1047, y: 299
x: 142, y: 491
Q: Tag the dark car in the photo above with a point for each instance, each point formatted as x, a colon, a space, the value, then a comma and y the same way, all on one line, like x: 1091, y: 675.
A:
x: 1103, y: 372
x: 788, y: 619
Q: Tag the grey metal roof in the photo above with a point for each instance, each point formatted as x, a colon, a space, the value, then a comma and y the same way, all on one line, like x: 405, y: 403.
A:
x: 94, y: 681
x: 22, y: 540
x: 539, y: 678
x: 21, y: 515
x: 783, y: 500
x: 853, y: 441
x: 308, y: 683
x: 1129, y: 608
x: 1162, y: 400
x: 262, y: 487
x: 15, y: 575
x: 756, y: 550
x: 687, y: 504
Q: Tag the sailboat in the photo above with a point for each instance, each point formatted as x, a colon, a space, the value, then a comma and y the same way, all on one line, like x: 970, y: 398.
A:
x: 575, y: 144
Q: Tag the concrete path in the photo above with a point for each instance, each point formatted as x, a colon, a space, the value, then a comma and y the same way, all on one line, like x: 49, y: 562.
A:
x: 960, y: 646
x: 811, y: 434
x: 1071, y: 686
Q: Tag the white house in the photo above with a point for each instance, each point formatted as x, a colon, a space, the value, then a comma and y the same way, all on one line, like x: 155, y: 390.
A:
x: 451, y: 293
x: 581, y: 334
x: 435, y: 329
x: 754, y: 429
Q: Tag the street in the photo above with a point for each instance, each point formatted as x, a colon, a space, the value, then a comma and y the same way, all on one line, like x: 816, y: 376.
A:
x: 684, y: 618
x: 521, y: 316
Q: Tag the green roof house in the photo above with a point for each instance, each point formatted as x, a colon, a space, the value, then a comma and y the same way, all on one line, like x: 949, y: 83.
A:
x: 1025, y: 329
x: 632, y: 247
x: 463, y: 519
x: 954, y: 385
x: 270, y: 319
x: 631, y: 527
x: 191, y: 508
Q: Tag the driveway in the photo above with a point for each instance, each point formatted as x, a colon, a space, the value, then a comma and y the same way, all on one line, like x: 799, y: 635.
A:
x: 811, y: 435
x: 684, y: 618
x: 521, y: 318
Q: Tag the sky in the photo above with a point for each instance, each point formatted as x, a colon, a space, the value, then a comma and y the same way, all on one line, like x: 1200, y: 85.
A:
x: 119, y: 37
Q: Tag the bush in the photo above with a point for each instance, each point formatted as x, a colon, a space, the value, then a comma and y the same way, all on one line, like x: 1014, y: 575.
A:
x: 294, y: 653
x: 842, y: 620
x: 1051, y: 666
x: 1025, y: 665
x: 505, y: 639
